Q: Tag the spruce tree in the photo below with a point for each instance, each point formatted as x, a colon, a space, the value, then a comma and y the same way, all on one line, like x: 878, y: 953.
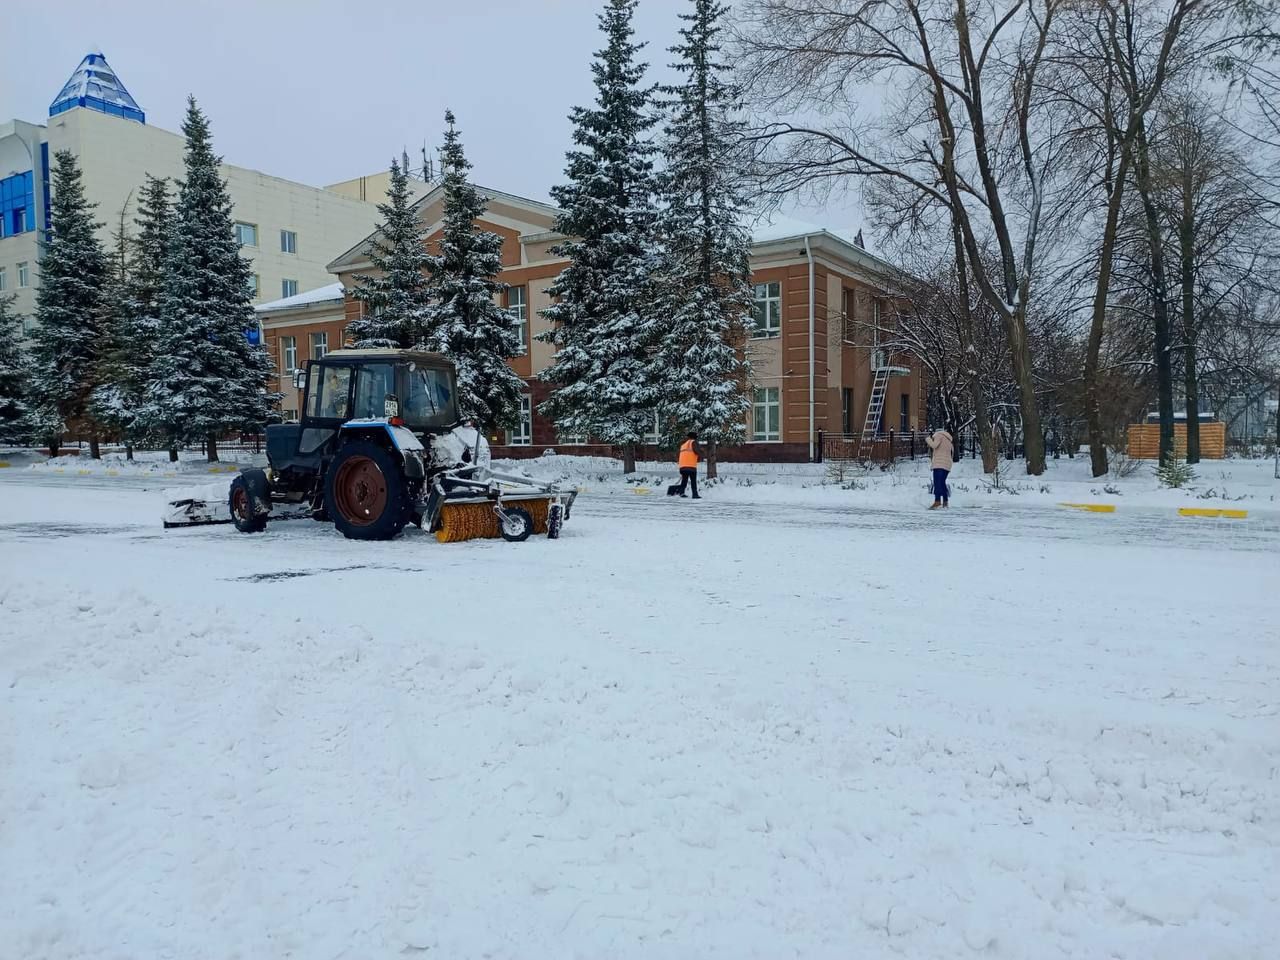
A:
x: 603, y: 320
x: 705, y: 280
x: 465, y: 322
x: 20, y: 414
x: 132, y: 305
x: 206, y: 377
x: 73, y: 271
x: 396, y: 298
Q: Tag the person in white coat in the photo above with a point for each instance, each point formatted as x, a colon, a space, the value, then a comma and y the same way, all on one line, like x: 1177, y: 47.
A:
x: 941, y: 459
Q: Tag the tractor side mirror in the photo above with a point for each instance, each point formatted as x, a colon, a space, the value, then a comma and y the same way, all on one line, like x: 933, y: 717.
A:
x: 299, y: 379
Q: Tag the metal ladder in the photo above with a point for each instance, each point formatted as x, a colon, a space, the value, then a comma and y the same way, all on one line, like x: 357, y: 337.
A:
x: 875, y: 407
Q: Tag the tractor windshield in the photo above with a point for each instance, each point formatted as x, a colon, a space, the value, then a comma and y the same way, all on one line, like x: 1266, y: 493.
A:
x: 430, y: 397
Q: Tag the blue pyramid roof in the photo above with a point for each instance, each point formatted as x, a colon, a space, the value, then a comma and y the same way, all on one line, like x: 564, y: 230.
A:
x: 95, y: 85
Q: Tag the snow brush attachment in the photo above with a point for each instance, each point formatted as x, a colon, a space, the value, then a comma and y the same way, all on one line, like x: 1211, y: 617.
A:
x: 479, y: 520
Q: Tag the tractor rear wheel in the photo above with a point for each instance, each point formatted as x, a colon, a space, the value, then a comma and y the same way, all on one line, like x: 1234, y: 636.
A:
x: 365, y: 492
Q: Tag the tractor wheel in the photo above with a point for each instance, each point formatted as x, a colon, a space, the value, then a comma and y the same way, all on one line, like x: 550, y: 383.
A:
x: 365, y: 492
x: 243, y: 515
x: 555, y: 520
x: 516, y: 525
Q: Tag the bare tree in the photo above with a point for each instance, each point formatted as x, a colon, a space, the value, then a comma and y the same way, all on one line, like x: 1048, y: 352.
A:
x: 954, y: 336
x: 1112, y: 63
x: 967, y: 139
x: 1214, y: 209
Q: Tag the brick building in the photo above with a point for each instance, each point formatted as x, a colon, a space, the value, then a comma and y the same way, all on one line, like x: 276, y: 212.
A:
x: 818, y: 295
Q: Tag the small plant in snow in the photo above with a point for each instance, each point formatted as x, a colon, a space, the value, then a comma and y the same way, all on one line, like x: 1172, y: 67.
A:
x: 1175, y: 474
x: 856, y: 484
x: 1123, y: 465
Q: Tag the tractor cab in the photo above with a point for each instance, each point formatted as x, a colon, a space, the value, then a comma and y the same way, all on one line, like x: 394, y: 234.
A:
x: 415, y: 388
x: 355, y: 385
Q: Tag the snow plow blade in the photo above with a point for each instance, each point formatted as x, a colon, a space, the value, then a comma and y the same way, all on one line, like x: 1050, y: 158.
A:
x: 191, y: 512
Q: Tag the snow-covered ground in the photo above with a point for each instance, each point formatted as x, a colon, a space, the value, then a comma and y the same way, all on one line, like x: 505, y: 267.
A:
x: 788, y: 720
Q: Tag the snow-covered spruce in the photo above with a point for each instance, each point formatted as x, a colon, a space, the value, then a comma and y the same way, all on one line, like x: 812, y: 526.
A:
x: 130, y: 316
x: 701, y: 374
x: 206, y: 377
x: 603, y: 320
x: 465, y: 322
x: 395, y: 298
x: 73, y: 270
x: 22, y: 420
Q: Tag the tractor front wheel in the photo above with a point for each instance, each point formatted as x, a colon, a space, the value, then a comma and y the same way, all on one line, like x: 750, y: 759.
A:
x: 243, y: 514
x: 365, y: 492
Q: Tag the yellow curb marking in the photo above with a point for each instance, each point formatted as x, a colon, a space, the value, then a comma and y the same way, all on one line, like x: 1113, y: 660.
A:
x: 1091, y: 507
x: 1212, y: 512
x: 3, y: 464
x: 641, y: 490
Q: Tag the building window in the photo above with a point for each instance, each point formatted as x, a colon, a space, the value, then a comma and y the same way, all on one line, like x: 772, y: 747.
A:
x: 846, y: 409
x: 904, y: 413
x: 288, y: 415
x: 518, y: 306
x: 288, y: 288
x: 288, y: 241
x: 766, y: 310
x: 319, y: 345
x: 4, y: 279
x: 254, y: 281
x: 848, y: 306
x: 24, y: 275
x: 17, y: 203
x: 246, y: 234
x: 766, y: 414
x: 522, y: 435
x: 288, y: 354
x: 654, y: 433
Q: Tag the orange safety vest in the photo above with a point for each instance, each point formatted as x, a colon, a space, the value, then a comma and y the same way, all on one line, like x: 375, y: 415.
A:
x: 688, y: 456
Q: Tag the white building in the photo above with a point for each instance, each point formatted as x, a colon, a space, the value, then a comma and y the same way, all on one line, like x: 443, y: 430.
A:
x: 288, y: 230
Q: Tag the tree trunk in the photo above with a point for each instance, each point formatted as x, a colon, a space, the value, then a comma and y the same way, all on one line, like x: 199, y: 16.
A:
x: 1159, y: 298
x: 173, y: 454
x: 1020, y: 349
x: 95, y: 450
x: 128, y: 451
x: 55, y: 444
x: 711, y: 460
x: 629, y: 458
x: 212, y: 446
x: 978, y: 396
x: 1187, y: 234
x: 1097, y: 322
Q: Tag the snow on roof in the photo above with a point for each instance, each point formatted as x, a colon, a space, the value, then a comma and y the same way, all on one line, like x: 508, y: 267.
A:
x: 775, y: 228
x: 330, y: 291
x: 95, y: 85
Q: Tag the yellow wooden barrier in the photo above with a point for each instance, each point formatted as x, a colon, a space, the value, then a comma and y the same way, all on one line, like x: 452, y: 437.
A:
x: 641, y: 490
x: 1212, y: 512
x: 1091, y: 507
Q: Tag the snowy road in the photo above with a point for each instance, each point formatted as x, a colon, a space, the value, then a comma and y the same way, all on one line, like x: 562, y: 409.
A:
x: 731, y: 728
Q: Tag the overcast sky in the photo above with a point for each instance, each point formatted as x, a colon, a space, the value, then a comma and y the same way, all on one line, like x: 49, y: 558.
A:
x: 321, y: 91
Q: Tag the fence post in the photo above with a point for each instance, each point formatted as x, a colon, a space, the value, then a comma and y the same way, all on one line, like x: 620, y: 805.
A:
x: 913, y: 445
x: 893, y: 454
x: 818, y: 451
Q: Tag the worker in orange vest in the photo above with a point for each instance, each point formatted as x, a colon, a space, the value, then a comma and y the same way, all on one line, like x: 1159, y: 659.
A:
x: 690, y: 454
